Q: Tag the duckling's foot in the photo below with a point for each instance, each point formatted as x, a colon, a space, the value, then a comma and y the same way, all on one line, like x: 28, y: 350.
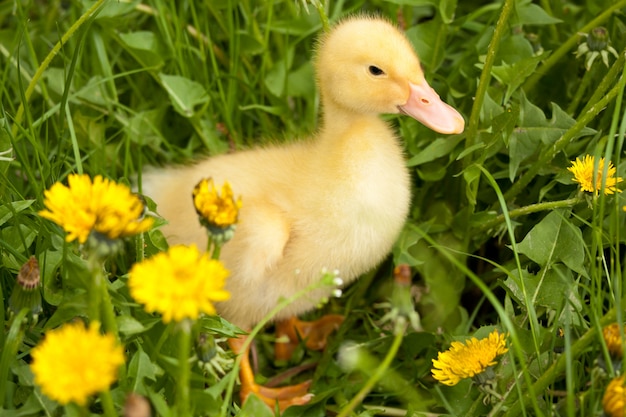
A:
x: 283, y: 396
x: 314, y: 333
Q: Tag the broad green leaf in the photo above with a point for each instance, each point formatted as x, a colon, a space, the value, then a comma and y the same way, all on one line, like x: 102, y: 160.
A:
x: 140, y: 367
x: 436, y: 149
x: 527, y: 13
x: 301, y: 82
x: 402, y: 249
x: 555, y: 239
x: 184, y: 93
x: 254, y: 407
x: 111, y: 11
x: 8, y: 210
x: 128, y: 325
x: 534, y: 129
x: 275, y: 78
x: 142, y: 127
x: 144, y: 47
x: 429, y: 40
x: 49, y: 263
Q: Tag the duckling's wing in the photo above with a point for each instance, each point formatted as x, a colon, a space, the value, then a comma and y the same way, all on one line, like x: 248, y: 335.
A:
x: 259, y: 242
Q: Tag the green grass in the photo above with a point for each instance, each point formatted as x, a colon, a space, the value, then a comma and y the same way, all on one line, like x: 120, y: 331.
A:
x: 499, y: 234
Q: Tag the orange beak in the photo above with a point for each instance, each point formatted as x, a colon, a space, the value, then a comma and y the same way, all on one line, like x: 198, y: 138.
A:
x: 425, y: 106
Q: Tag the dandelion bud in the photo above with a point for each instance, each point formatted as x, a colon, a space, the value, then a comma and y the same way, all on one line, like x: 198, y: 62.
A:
x: 136, y: 406
x: 26, y: 290
x: 206, y: 348
x: 598, y: 39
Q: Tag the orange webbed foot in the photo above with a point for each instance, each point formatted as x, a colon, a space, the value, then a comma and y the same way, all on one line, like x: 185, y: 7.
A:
x: 314, y: 333
x: 283, y: 396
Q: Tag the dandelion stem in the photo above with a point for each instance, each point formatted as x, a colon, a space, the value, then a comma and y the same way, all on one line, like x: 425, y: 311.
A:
x: 523, y: 211
x: 184, y: 370
x: 107, y: 404
x: 485, y: 76
x: 380, y: 371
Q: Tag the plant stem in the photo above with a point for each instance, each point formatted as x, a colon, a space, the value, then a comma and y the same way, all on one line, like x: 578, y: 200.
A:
x: 107, y: 404
x: 379, y: 373
x: 485, y: 77
x: 557, y: 55
x: 532, y: 208
x: 9, y: 351
x: 184, y: 370
x: 560, y: 144
x: 100, y: 305
x: 549, y: 375
x: 46, y: 62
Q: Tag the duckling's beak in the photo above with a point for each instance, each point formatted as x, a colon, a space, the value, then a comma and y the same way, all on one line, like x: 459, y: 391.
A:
x: 425, y: 106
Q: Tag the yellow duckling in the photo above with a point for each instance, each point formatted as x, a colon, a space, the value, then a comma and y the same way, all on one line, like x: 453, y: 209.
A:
x: 337, y: 200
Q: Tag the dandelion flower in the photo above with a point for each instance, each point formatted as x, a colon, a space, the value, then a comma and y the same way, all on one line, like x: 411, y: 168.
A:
x: 180, y: 283
x: 583, y: 171
x: 613, y: 338
x: 216, y: 210
x: 465, y: 360
x: 614, y: 400
x: 74, y: 362
x: 101, y: 206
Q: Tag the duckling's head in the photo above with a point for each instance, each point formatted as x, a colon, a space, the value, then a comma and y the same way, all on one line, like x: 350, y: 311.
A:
x: 366, y: 65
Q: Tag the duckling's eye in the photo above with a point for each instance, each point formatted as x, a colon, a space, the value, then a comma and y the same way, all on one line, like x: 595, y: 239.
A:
x: 374, y: 70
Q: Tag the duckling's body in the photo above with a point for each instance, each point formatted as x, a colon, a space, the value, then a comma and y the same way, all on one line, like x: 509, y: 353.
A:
x: 337, y: 200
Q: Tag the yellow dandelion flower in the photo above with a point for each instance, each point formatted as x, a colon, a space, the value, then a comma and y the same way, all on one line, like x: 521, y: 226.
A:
x: 613, y: 338
x: 583, y: 171
x: 465, y: 360
x: 614, y: 400
x: 216, y: 210
x: 180, y: 283
x: 103, y: 206
x: 74, y: 362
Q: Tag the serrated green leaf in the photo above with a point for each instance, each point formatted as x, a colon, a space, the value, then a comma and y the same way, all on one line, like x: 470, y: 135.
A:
x: 534, y: 129
x: 555, y: 239
x: 513, y: 76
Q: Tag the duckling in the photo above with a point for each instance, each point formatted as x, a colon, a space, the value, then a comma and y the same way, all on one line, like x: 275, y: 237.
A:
x: 337, y: 200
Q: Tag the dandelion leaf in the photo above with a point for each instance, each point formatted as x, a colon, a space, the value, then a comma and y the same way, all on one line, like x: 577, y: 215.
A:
x: 555, y: 239
x: 534, y: 130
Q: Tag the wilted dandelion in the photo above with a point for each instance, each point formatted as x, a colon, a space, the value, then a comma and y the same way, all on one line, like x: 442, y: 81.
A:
x: 180, y: 283
x: 466, y: 360
x: 74, y: 362
x: 584, y: 174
